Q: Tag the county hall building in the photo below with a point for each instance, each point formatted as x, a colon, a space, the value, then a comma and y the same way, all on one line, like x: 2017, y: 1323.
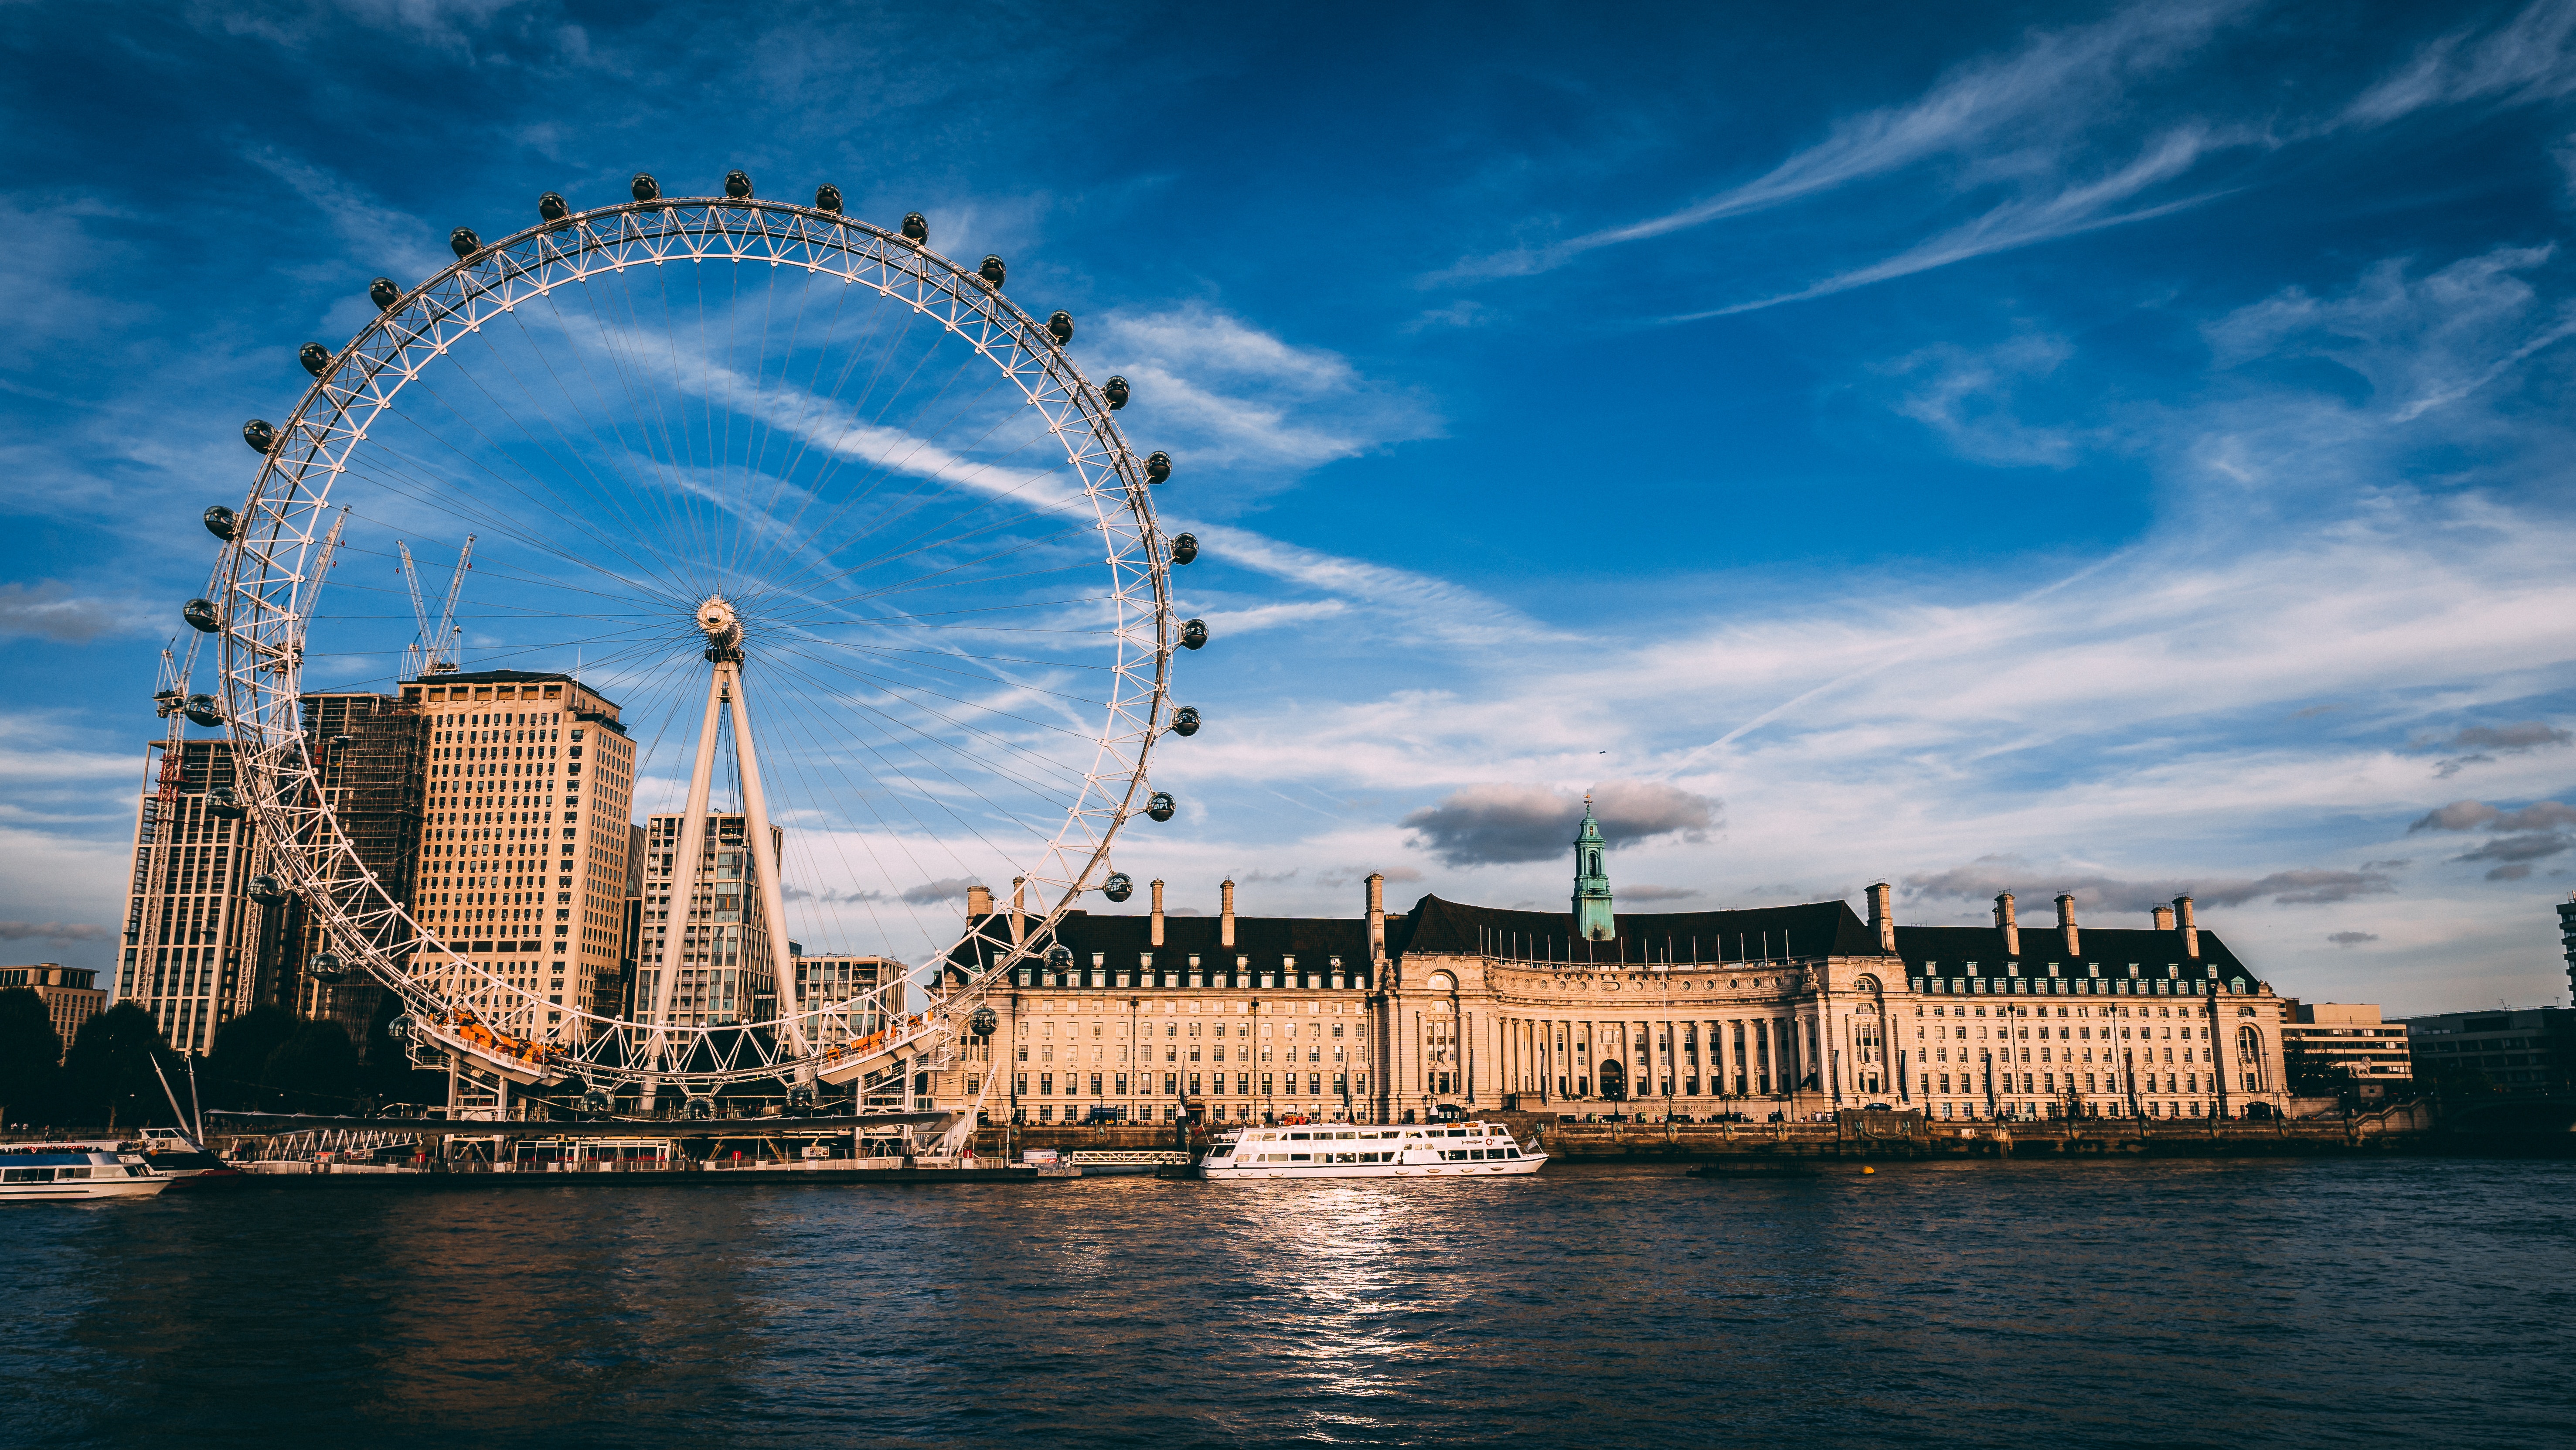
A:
x: 1784, y: 1011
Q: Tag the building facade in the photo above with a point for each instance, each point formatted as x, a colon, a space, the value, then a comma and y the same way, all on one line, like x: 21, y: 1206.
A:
x: 527, y: 784
x: 71, y: 995
x: 1777, y: 1012
x: 191, y: 949
x: 368, y: 757
x: 2528, y: 1049
x: 2344, y: 1045
x: 728, y: 973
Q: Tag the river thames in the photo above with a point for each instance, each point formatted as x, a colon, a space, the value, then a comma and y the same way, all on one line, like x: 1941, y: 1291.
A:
x: 2153, y: 1304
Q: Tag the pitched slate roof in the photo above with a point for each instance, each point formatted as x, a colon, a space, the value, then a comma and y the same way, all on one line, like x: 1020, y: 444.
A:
x: 2113, y: 947
x: 1757, y: 933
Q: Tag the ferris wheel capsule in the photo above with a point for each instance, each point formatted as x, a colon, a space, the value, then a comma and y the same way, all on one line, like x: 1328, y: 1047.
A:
x: 699, y: 1108
x: 1185, y: 548
x: 401, y: 1027
x: 597, y: 1099
x: 1158, y: 466
x: 827, y: 197
x: 206, y: 710
x: 916, y: 229
x: 225, y: 801
x: 326, y: 967
x: 201, y: 616
x: 1059, y: 957
x: 737, y: 185
x: 1115, y: 390
x: 223, y: 523
x: 1060, y: 327
x: 552, y: 207
x: 1119, y: 886
x: 315, y: 357
x: 1159, y: 805
x: 645, y: 187
x: 383, y: 293
x: 265, y: 890
x: 993, y: 271
x: 1185, y: 721
x: 259, y: 435
x: 463, y: 242
x: 983, y: 1022
x: 1194, y: 634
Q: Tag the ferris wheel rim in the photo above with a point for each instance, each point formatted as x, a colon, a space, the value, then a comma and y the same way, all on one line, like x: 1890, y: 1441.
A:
x: 260, y: 659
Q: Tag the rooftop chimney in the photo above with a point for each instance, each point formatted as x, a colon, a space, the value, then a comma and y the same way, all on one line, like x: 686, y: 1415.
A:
x: 1158, y: 913
x: 1377, y: 916
x: 1019, y: 909
x: 2164, y: 918
x: 2066, y: 923
x: 1881, y: 917
x: 979, y: 902
x: 2183, y: 923
x: 1225, y: 915
x: 2008, y: 924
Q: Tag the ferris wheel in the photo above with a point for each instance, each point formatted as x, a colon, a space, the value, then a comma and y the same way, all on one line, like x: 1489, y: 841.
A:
x: 837, y: 563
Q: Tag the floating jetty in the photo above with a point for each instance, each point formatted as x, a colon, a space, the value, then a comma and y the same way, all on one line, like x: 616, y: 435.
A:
x: 881, y: 1149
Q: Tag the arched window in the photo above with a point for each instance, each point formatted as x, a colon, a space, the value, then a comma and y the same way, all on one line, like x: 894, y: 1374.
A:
x: 1865, y: 983
x: 2249, y: 1051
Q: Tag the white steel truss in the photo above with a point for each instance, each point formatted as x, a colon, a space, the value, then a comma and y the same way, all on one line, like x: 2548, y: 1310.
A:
x: 266, y: 581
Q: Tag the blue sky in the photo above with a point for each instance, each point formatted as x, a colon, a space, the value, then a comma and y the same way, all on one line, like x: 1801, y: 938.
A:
x: 2119, y: 450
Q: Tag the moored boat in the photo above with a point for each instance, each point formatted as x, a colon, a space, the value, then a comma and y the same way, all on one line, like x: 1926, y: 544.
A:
x: 1371, y: 1150
x: 30, y: 1171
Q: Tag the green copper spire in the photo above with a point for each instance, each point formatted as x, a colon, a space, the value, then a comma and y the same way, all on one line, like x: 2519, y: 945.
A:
x: 1594, y: 917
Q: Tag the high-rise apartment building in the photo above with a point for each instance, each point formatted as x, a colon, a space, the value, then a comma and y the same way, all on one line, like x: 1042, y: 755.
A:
x: 726, y: 972
x: 190, y: 954
x: 528, y: 782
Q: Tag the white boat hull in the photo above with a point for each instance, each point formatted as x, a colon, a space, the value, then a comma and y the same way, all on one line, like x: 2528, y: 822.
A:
x: 1379, y: 1170
x: 1370, y: 1150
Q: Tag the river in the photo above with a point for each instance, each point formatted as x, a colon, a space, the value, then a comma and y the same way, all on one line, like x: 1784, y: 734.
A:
x: 2224, y: 1303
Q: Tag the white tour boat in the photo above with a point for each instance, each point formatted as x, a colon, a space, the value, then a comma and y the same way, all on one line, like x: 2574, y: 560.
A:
x: 1371, y: 1150
x: 73, y: 1170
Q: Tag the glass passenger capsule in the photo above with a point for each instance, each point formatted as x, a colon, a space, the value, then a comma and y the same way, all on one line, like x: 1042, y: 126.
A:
x: 223, y: 523
x: 1194, y: 634
x: 1119, y: 886
x: 1185, y: 547
x: 1185, y: 721
x: 1160, y: 806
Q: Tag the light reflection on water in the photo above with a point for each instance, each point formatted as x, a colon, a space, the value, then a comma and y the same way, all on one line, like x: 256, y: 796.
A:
x: 2116, y: 1304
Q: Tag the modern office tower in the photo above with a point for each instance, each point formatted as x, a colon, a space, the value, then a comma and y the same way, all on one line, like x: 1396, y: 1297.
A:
x: 369, y: 752
x: 528, y: 780
x: 727, y: 975
x: 190, y: 953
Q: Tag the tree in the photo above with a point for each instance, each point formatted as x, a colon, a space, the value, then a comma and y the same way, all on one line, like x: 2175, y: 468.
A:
x: 108, y: 1077
x: 239, y: 1066
x: 31, y: 1055
x: 316, y: 1070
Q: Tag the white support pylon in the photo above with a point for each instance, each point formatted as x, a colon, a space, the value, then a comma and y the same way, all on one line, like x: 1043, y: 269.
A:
x: 716, y: 619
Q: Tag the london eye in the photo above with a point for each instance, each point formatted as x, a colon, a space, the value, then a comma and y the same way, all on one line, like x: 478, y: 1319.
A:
x: 852, y: 579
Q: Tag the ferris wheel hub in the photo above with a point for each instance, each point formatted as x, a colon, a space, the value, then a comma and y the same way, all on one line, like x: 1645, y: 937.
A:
x: 717, y: 620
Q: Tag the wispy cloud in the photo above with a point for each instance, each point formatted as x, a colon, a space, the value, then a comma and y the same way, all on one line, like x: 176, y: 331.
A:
x: 2531, y: 57
x: 1997, y: 109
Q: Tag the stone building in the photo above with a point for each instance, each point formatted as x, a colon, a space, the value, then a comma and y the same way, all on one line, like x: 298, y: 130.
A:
x: 527, y: 785
x: 71, y: 995
x: 1784, y: 1011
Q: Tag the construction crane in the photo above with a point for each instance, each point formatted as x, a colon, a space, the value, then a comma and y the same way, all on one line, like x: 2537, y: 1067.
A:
x: 437, y: 651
